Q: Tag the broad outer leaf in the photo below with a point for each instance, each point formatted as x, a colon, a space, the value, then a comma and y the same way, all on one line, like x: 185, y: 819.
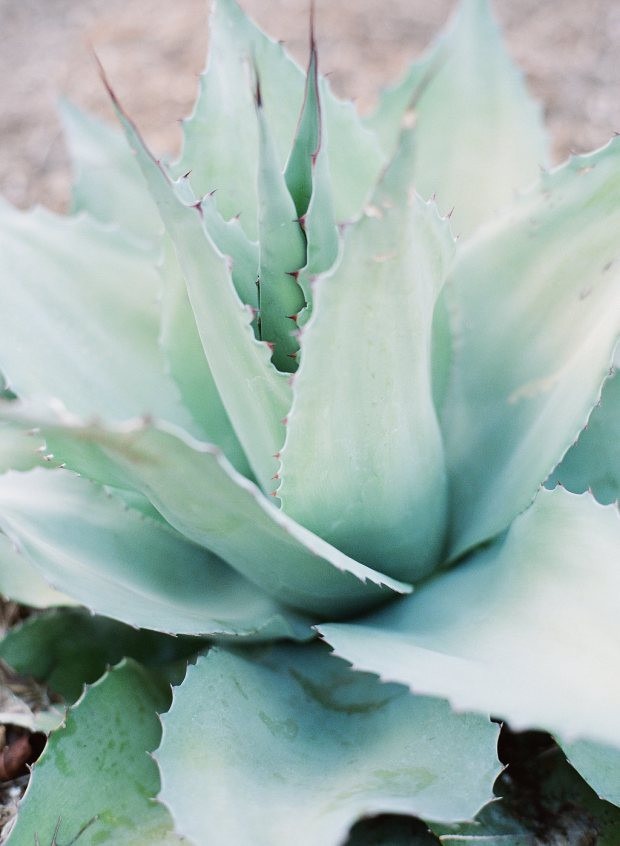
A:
x: 255, y: 396
x: 599, y: 766
x: 199, y: 494
x: 107, y: 182
x: 221, y: 140
x: 295, y: 747
x: 527, y: 629
x: 593, y: 463
x: 68, y: 647
x: 92, y: 346
x: 535, y: 298
x: 95, y: 775
x: 479, y: 137
x: 21, y: 582
x: 363, y: 463
x: 123, y: 565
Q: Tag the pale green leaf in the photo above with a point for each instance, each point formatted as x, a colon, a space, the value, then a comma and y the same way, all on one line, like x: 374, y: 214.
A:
x: 295, y: 748
x: 80, y: 318
x: 479, y: 137
x: 363, y: 459
x: 527, y: 629
x: 95, y: 780
x: 535, y: 302
x: 221, y: 139
x: 107, y: 181
x: 182, y: 348
x: 19, y: 450
x: 199, y: 494
x: 593, y: 463
x: 282, y: 253
x: 600, y: 767
x: 131, y: 568
x: 21, y: 582
x: 255, y: 395
x: 69, y: 647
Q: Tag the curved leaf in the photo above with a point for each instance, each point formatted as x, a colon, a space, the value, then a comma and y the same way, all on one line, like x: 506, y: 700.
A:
x: 363, y: 458
x: 527, y: 629
x: 21, y: 582
x: 479, y: 137
x: 92, y: 346
x: 126, y: 566
x: 536, y: 306
x: 95, y: 780
x: 599, y: 766
x: 295, y: 748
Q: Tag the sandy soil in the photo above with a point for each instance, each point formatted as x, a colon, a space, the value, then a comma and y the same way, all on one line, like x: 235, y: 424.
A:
x: 153, y: 51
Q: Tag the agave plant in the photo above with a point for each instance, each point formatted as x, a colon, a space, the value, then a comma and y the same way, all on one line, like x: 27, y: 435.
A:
x: 329, y: 470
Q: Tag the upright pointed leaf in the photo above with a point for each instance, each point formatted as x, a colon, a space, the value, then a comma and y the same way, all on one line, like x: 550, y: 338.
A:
x: 296, y: 748
x: 95, y: 780
x: 526, y: 629
x: 126, y: 566
x: 107, y: 182
x: 362, y: 396
x: 478, y: 135
x: 255, y: 395
x: 536, y: 306
x: 92, y: 346
x: 282, y: 253
x: 594, y: 461
x: 221, y: 140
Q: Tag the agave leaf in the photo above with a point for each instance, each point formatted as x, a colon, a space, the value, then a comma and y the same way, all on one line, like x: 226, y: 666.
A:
x: 21, y: 582
x: 95, y: 780
x: 593, y: 463
x: 93, y: 347
x: 542, y: 800
x: 527, y: 629
x: 599, y: 766
x: 296, y: 729
x: 183, y: 350
x: 199, y: 494
x: 221, y: 139
x: 255, y: 395
x: 375, y: 421
x: 68, y: 647
x: 478, y: 135
x: 536, y: 305
x: 118, y: 562
x: 107, y: 182
x: 282, y: 253
x: 19, y: 450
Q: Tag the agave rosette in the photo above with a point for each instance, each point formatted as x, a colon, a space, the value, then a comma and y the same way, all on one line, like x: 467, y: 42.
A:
x: 264, y: 393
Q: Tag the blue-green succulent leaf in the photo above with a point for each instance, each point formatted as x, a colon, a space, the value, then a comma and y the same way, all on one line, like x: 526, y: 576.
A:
x: 107, y: 182
x: 593, y: 463
x: 363, y: 458
x: 124, y: 565
x: 19, y: 449
x: 221, y: 139
x: 282, y: 253
x: 21, y: 582
x: 599, y: 766
x: 182, y: 348
x: 92, y: 346
x: 535, y: 302
x: 67, y: 648
x: 296, y: 748
x: 95, y: 781
x: 527, y: 629
x: 255, y: 395
x: 479, y: 137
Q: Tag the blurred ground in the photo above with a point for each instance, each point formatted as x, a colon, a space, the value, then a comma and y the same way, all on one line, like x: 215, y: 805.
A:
x: 153, y: 51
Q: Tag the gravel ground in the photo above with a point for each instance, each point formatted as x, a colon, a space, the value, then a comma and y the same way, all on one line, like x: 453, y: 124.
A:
x: 153, y: 51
